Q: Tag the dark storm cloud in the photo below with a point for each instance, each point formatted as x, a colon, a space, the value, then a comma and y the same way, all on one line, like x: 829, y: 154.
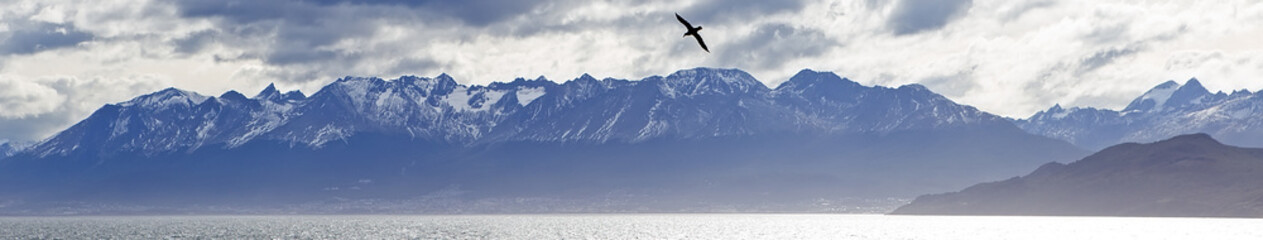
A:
x: 302, y: 43
x: 195, y: 42
x: 1105, y: 57
x: 307, y: 37
x: 772, y: 45
x: 282, y: 33
x: 29, y: 38
x: 716, y: 11
x: 471, y: 12
x: 631, y: 21
x: 1079, y: 67
x: 243, y: 11
x: 913, y: 16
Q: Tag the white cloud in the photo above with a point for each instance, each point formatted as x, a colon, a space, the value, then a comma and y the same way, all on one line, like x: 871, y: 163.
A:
x: 32, y: 109
x: 1008, y: 57
x: 1077, y: 53
x: 22, y: 99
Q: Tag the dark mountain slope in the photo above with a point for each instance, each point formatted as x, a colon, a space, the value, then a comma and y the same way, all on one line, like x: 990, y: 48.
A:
x: 1189, y: 175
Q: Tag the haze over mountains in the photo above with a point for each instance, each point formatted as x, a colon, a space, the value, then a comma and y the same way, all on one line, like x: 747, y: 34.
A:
x: 1167, y: 110
x: 1189, y: 175
x: 1185, y: 176
x: 697, y: 137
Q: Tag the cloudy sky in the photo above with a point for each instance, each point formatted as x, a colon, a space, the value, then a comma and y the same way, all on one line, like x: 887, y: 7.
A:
x: 62, y: 59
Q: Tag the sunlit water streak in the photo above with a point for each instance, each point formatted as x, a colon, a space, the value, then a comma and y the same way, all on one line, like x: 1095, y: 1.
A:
x: 626, y: 226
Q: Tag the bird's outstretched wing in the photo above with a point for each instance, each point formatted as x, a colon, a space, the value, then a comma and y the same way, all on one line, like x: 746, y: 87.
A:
x: 699, y: 41
x: 682, y: 21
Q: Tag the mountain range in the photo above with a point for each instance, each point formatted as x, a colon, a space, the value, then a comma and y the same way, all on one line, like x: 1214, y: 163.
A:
x: 694, y: 138
x: 1186, y: 176
x: 688, y: 141
x: 1167, y: 110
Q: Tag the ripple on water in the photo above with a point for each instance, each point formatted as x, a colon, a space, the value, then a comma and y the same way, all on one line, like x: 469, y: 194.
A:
x: 625, y: 226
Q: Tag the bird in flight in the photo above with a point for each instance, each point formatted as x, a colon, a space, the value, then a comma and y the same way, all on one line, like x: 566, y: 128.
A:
x: 692, y: 31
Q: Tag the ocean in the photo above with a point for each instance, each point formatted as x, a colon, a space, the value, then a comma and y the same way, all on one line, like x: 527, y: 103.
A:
x: 625, y: 226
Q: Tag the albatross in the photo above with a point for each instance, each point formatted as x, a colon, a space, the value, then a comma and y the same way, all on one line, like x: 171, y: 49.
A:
x: 692, y: 31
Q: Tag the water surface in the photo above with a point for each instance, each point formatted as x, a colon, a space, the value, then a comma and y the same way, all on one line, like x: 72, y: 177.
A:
x: 625, y: 226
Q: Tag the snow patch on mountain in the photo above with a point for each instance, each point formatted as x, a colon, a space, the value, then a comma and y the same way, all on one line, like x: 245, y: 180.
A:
x: 1154, y: 98
x: 9, y: 148
x: 692, y: 103
x: 167, y: 97
x: 475, y: 99
x: 527, y: 95
x: 1169, y: 109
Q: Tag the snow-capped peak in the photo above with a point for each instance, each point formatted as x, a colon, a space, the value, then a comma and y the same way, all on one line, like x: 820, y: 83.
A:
x: 1240, y: 93
x: 808, y: 78
x: 1172, y: 95
x: 701, y: 81
x: 444, y: 77
x: 1056, y: 112
x: 268, y: 93
x: 1191, y: 93
x: 1154, y: 98
x: 232, y: 95
x: 443, y: 85
x: 293, y: 95
x: 1056, y: 108
x: 1167, y: 110
x: 167, y: 97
